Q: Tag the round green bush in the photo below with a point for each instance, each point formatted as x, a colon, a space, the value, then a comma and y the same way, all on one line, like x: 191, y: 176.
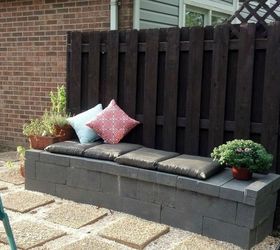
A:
x: 243, y: 153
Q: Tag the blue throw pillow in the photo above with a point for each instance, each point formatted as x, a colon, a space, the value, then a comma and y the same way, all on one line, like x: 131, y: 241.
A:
x: 78, y: 122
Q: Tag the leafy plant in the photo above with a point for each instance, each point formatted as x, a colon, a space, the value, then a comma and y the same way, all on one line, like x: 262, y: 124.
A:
x: 20, y: 155
x: 58, y: 100
x: 39, y: 127
x: 243, y: 153
x: 58, y: 119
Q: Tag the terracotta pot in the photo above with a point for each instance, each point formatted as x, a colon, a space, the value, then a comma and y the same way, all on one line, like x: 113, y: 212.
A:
x: 65, y: 133
x: 40, y: 142
x: 22, y: 169
x: 240, y: 173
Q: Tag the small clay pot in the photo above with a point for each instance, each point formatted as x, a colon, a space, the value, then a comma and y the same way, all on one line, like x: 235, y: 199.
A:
x: 41, y: 142
x: 240, y: 173
x: 22, y: 169
x: 65, y: 133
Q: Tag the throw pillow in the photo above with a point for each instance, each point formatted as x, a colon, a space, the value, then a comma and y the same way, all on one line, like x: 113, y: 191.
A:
x: 112, y: 124
x: 78, y: 122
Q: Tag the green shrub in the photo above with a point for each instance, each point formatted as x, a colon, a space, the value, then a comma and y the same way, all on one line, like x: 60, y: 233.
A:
x: 58, y: 100
x: 243, y: 153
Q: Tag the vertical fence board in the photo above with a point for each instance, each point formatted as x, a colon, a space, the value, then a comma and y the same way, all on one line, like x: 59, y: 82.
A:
x: 194, y: 90
x: 271, y: 92
x: 150, y: 87
x: 170, y: 89
x: 74, y: 84
x: 94, y: 68
x: 112, y: 66
x: 218, y: 87
x: 130, y: 76
x: 244, y: 81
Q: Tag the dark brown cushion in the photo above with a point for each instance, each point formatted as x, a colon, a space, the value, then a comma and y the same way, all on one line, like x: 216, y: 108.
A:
x: 110, y: 151
x: 70, y: 147
x: 144, y: 157
x: 188, y: 165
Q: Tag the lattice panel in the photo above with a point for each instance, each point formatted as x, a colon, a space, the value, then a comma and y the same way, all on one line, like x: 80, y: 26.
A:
x: 261, y: 12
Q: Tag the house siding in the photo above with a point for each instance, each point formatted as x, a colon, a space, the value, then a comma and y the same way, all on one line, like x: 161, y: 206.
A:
x: 158, y: 14
x: 33, y: 53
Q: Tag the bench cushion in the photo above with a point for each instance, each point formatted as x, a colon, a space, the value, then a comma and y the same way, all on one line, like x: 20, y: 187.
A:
x: 110, y: 151
x: 144, y: 157
x: 70, y: 147
x: 192, y: 166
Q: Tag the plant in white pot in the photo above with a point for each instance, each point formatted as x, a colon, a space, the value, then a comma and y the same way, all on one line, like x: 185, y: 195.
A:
x: 244, y: 157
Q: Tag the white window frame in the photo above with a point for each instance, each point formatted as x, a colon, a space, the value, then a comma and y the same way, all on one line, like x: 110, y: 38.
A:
x: 216, y: 6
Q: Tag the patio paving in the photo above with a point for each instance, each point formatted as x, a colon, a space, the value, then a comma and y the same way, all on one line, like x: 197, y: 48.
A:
x: 56, y: 224
x: 75, y: 215
x: 25, y: 201
x: 91, y: 243
x: 12, y: 176
x: 134, y: 232
x: 31, y: 234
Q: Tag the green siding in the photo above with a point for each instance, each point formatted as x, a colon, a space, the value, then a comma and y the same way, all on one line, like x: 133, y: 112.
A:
x: 158, y: 13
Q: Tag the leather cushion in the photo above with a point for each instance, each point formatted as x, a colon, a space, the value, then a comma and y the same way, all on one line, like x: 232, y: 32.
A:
x: 144, y: 157
x: 192, y: 166
x: 70, y: 147
x: 110, y: 151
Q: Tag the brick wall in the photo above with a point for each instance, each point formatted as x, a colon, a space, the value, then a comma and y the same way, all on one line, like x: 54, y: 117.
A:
x: 33, y: 53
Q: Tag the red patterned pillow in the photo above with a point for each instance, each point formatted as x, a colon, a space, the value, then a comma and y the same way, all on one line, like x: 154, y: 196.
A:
x: 112, y: 124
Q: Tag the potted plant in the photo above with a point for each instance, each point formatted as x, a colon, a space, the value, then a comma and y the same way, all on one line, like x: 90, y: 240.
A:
x: 244, y: 157
x: 40, y: 132
x: 58, y: 114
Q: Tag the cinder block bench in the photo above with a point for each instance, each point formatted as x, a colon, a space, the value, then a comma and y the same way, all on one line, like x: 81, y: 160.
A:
x: 220, y: 207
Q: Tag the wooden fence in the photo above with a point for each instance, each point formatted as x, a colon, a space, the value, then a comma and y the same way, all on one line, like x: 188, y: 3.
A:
x: 192, y: 89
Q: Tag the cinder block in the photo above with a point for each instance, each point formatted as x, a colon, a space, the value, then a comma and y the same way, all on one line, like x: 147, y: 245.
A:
x: 206, y: 205
x: 265, y: 228
x: 147, y: 175
x: 62, y: 160
x: 252, y: 216
x: 185, y: 183
x: 51, y: 173
x: 32, y: 154
x: 241, y: 236
x: 120, y: 170
x: 109, y: 184
x: 40, y: 186
x: 167, y: 179
x: 188, y: 220
x: 145, y: 210
x: 86, y: 163
x: 234, y: 190
x: 165, y: 195
x: 30, y: 169
x: 83, y: 178
x: 74, y: 194
x: 107, y: 200
x: 128, y: 187
x: 146, y: 191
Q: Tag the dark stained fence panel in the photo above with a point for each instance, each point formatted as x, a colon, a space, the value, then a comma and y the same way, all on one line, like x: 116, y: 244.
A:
x: 191, y: 89
x: 218, y: 87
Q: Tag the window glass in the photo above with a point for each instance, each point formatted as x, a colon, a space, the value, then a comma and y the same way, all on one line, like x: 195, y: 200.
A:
x: 217, y: 19
x: 194, y: 19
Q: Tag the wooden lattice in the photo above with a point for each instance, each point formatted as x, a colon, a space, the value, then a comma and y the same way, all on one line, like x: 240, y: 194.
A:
x: 261, y: 12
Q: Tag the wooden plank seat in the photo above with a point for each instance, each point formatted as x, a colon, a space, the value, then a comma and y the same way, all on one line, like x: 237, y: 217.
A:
x: 220, y: 207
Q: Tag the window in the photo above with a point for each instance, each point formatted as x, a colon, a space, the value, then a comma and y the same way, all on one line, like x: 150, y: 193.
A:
x: 206, y: 12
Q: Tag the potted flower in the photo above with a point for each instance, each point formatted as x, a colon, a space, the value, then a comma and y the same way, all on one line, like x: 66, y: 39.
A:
x: 244, y: 157
x: 40, y: 132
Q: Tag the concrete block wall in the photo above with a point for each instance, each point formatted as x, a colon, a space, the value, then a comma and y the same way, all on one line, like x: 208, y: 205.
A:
x: 221, y: 207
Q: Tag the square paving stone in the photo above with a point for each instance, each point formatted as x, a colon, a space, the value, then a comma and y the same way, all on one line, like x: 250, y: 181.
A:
x: 134, y: 232
x: 8, y: 156
x: 24, y: 201
x: 3, y: 186
x: 197, y: 242
x: 91, y: 243
x: 30, y: 234
x: 75, y: 215
x: 4, y: 247
x: 12, y: 176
